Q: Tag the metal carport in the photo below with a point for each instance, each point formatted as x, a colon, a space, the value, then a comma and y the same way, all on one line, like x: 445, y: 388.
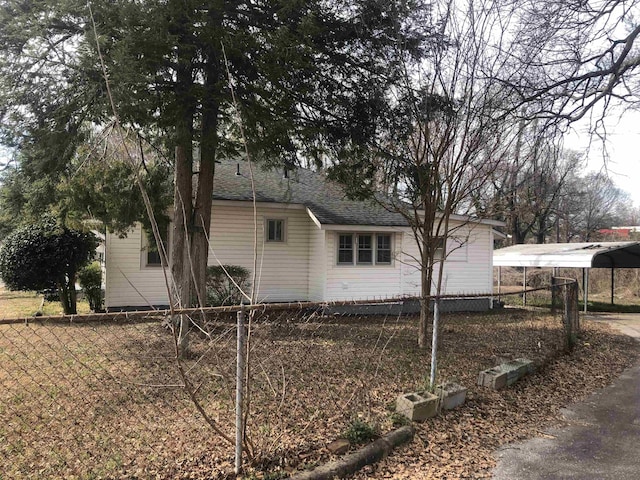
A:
x: 572, y: 255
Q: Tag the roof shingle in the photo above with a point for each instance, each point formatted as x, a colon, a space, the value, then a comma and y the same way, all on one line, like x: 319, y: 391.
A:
x: 326, y: 199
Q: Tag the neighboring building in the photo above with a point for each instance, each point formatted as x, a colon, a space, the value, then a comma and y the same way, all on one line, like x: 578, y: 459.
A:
x: 619, y: 233
x: 313, y: 245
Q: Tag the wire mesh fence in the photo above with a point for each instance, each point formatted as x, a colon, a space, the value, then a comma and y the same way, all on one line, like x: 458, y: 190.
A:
x: 108, y: 396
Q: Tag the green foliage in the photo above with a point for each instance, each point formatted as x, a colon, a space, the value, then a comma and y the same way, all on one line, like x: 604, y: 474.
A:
x: 399, y: 420
x: 107, y: 191
x: 90, y: 278
x: 360, y: 432
x: 44, y: 256
x: 309, y: 78
x: 221, y: 290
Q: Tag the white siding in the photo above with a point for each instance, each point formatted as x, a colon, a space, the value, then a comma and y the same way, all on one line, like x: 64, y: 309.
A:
x: 124, y: 270
x: 304, y: 266
x: 468, y: 267
x: 317, y: 263
x: 282, y: 267
x: 353, y: 282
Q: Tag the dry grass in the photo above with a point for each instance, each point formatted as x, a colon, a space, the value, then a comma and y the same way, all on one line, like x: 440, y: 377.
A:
x: 104, y: 400
x: 26, y: 304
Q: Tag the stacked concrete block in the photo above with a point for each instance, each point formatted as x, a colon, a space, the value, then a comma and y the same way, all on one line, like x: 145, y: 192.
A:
x: 417, y: 406
x: 505, y: 374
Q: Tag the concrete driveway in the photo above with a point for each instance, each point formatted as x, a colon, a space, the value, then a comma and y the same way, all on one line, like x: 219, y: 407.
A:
x: 602, y: 440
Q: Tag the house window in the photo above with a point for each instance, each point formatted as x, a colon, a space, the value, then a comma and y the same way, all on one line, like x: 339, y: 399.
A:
x: 383, y: 249
x: 439, y: 243
x: 364, y: 249
x: 275, y: 230
x: 151, y: 254
x: 345, y: 250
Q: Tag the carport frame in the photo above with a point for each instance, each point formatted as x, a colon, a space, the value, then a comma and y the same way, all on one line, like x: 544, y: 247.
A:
x: 584, y: 255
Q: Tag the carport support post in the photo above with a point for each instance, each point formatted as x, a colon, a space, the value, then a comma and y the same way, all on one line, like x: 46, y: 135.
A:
x: 585, y: 288
x: 613, y: 283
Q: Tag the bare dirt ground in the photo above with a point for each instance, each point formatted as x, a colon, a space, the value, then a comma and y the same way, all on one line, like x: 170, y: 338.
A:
x: 107, y: 401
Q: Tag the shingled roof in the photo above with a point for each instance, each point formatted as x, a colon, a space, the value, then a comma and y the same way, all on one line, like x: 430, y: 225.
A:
x: 326, y: 199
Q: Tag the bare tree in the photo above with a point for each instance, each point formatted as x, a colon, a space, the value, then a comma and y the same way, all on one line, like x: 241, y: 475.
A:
x: 577, y: 55
x: 598, y: 203
x: 525, y: 188
x: 452, y: 129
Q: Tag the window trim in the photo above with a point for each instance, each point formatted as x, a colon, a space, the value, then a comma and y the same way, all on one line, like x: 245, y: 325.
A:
x: 284, y: 229
x: 355, y: 244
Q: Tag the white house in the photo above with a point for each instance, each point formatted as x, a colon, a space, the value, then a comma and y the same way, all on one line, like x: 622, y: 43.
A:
x: 313, y: 244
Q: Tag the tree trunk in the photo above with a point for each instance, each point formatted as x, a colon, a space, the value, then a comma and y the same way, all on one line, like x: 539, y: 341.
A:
x: 425, y: 301
x: 73, y: 296
x: 64, y: 298
x: 426, y: 274
x: 180, y: 258
x: 202, y: 207
x: 67, y: 295
x: 185, y: 105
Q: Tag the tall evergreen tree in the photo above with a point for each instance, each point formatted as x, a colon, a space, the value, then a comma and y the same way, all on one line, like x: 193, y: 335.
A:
x: 311, y: 78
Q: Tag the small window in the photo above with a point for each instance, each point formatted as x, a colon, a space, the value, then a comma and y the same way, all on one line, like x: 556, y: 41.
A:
x: 151, y: 252
x: 440, y: 243
x: 345, y: 249
x: 275, y: 230
x: 365, y: 249
x: 383, y: 251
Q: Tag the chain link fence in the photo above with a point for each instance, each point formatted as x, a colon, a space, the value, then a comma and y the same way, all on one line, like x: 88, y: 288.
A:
x: 108, y: 396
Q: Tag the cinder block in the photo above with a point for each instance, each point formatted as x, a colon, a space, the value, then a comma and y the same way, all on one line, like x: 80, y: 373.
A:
x: 494, y: 377
x: 417, y: 406
x: 452, y: 395
x: 505, y: 374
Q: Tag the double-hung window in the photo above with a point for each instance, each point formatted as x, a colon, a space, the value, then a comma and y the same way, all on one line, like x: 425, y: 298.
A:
x: 275, y: 230
x: 345, y: 249
x: 151, y: 253
x: 383, y: 249
x: 364, y: 249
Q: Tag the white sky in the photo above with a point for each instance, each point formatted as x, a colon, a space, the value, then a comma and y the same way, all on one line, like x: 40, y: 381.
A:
x: 622, y: 146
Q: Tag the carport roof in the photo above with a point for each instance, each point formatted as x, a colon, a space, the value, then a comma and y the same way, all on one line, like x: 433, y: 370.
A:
x: 575, y: 255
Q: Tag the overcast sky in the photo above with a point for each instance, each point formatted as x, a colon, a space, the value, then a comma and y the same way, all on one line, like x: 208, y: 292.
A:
x: 623, y: 148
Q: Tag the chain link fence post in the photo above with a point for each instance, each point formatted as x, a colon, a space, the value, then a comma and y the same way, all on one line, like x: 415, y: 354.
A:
x: 239, y: 389
x: 434, y: 342
x: 570, y: 316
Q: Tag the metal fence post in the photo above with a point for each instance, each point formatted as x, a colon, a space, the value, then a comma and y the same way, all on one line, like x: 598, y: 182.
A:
x: 239, y: 389
x: 434, y: 342
x: 570, y: 317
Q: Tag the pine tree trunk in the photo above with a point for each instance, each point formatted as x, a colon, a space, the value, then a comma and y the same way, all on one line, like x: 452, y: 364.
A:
x: 180, y: 258
x: 204, y: 194
x: 181, y: 255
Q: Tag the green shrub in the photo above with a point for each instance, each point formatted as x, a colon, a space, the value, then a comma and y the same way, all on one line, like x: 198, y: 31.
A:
x: 221, y: 290
x: 90, y: 278
x: 360, y: 432
x: 44, y: 256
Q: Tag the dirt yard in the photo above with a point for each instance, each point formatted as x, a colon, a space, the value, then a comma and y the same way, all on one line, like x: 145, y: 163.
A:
x: 100, y: 400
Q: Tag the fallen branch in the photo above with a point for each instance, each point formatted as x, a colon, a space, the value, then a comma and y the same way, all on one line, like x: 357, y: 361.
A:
x: 365, y: 456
